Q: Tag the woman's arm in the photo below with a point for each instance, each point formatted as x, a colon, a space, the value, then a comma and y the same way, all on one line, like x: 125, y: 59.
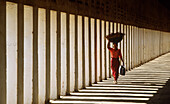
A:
x: 108, y: 45
x: 122, y: 61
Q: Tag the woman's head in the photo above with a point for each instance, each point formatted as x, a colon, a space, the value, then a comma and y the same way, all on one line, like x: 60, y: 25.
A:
x: 115, y: 45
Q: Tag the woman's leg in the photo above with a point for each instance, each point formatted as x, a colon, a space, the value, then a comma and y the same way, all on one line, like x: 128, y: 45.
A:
x: 115, y: 68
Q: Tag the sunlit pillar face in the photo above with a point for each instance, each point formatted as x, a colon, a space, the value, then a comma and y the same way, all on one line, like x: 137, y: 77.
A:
x: 98, y: 49
x: 80, y: 49
x: 118, y: 30
x: 11, y: 49
x: 42, y: 53
x: 63, y: 54
x: 111, y: 27
x: 28, y: 53
x: 72, y: 52
x: 115, y: 28
x: 107, y: 51
x: 86, y: 30
x: 103, y: 49
x: 93, y: 49
x: 53, y: 57
x: 111, y: 31
x: 118, y: 27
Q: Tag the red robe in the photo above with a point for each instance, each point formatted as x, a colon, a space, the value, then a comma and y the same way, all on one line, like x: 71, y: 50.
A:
x: 115, y: 55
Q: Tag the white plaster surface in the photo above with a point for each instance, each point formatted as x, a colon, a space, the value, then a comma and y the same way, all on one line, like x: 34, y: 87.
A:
x: 53, y: 57
x: 11, y: 49
x: 28, y: 54
x: 42, y: 54
x: 92, y: 50
x: 86, y: 30
x: 72, y: 52
x: 63, y: 54
x: 80, y: 52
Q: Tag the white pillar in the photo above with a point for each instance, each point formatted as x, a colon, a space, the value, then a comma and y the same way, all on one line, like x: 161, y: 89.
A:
x: 92, y: 50
x: 53, y: 50
x: 103, y: 49
x: 28, y: 54
x: 11, y: 52
x: 42, y: 55
x: 86, y: 46
x: 107, y: 51
x: 98, y: 50
x: 63, y: 54
x: 72, y: 52
x: 80, y: 51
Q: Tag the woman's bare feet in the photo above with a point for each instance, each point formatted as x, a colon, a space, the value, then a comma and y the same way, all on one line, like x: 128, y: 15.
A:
x: 115, y: 82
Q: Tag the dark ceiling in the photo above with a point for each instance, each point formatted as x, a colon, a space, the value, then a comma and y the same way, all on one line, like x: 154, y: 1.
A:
x: 165, y: 3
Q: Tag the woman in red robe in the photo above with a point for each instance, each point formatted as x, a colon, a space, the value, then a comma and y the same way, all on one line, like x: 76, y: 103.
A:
x: 115, y: 63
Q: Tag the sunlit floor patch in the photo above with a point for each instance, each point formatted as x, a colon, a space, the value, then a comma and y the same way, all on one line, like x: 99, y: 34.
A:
x: 123, y: 85
x: 127, y: 91
x: 89, y: 102
x: 122, y: 88
x: 141, y: 79
x: 113, y: 94
x: 104, y: 98
x: 144, y: 76
x: 135, y: 83
x: 138, y: 79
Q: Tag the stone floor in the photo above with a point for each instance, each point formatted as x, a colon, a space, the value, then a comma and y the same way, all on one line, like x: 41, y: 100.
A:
x: 147, y: 84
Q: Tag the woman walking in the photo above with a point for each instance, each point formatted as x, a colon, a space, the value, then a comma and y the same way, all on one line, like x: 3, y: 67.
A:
x: 115, y: 55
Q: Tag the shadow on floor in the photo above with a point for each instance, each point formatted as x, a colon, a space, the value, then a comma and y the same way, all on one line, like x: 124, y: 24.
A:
x: 163, y: 95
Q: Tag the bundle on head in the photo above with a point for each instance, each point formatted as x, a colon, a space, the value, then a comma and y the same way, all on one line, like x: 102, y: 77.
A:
x: 115, y: 37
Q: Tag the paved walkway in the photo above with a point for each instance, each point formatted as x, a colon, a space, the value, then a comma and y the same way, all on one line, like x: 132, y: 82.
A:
x: 147, y: 84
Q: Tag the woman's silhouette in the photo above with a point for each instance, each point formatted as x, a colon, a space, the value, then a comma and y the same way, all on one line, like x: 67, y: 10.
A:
x: 115, y: 55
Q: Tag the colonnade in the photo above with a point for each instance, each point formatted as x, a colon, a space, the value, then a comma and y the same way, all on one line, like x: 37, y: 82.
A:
x: 47, y: 53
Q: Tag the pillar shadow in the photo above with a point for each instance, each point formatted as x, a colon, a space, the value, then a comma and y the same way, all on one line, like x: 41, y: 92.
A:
x: 162, y: 96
